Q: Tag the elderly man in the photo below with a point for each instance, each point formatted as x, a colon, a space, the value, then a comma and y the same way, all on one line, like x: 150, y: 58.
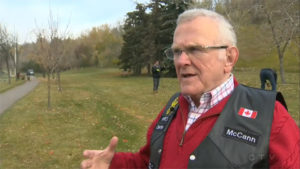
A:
x: 213, y: 122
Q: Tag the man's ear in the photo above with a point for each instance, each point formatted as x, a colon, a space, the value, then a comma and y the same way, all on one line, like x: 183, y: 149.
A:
x: 232, y: 55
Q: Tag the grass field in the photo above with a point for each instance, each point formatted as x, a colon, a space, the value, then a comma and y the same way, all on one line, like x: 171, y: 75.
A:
x: 95, y: 105
x: 4, y: 86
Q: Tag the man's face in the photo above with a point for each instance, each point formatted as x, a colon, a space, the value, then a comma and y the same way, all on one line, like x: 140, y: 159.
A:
x: 199, y: 74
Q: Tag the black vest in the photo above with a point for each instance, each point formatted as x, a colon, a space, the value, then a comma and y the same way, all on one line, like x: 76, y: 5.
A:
x: 239, y: 138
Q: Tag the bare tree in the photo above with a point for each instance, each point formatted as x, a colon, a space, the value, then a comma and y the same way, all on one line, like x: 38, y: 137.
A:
x: 283, y: 20
x: 5, y: 49
x: 50, y: 51
x: 57, y: 47
x: 16, y: 58
x: 236, y: 11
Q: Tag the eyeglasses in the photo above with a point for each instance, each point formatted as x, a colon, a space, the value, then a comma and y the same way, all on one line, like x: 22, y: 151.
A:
x: 192, y: 51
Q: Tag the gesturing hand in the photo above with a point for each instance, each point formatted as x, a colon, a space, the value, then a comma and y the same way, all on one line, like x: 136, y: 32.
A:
x: 100, y: 159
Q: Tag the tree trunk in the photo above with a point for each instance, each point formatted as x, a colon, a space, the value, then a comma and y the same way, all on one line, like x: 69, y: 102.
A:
x: 8, y: 70
x: 137, y: 69
x: 58, y: 81
x: 281, y: 68
x: 17, y: 62
x: 277, y: 43
x: 148, y: 69
x: 49, y: 91
x: 53, y: 75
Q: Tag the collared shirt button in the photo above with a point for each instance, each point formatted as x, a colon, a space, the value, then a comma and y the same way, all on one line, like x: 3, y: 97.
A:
x: 192, y: 157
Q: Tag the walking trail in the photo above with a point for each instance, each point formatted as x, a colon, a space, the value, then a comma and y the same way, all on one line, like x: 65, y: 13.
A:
x: 8, y: 98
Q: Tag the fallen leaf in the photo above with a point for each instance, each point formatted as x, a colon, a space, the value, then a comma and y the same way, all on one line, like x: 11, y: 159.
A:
x: 51, y: 152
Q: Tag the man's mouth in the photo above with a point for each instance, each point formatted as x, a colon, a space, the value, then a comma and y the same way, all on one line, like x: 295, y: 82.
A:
x: 187, y: 75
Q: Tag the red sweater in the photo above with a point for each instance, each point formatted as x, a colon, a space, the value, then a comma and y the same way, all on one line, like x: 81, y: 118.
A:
x: 284, y: 146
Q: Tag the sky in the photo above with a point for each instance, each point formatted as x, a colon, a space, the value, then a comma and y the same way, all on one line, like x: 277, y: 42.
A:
x: 24, y: 17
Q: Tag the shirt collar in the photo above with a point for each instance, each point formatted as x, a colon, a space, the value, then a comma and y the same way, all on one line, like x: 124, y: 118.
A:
x: 214, y: 96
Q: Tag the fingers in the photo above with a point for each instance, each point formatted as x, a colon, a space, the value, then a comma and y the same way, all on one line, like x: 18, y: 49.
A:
x: 91, y: 153
x: 113, y: 144
x: 100, y: 158
x: 85, y: 164
x: 111, y: 147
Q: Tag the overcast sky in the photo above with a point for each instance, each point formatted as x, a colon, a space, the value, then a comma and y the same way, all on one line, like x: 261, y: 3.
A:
x: 23, y: 17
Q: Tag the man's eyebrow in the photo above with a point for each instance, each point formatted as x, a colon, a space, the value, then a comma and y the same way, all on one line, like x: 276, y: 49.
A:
x: 187, y: 46
x: 195, y: 46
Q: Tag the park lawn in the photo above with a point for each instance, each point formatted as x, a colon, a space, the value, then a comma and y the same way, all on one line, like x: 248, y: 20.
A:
x: 95, y: 105
x: 4, y: 86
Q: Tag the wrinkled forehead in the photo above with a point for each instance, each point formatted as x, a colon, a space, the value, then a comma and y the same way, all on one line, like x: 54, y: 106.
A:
x: 198, y: 31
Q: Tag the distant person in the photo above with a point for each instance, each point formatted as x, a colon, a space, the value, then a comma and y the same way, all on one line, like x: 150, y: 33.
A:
x: 18, y: 75
x: 270, y: 75
x: 156, y: 71
x: 28, y: 75
x: 214, y: 122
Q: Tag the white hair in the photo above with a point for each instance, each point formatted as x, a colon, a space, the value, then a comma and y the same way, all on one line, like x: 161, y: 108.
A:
x: 227, y: 33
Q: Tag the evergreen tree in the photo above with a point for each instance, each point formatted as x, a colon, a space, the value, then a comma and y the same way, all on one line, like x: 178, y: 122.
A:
x: 166, y: 25
x: 146, y: 36
x: 135, y: 29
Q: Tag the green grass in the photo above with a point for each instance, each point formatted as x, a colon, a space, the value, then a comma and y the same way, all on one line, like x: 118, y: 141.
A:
x: 4, y: 86
x: 95, y: 105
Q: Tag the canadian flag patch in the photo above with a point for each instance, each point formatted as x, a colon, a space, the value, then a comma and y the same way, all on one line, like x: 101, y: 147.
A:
x: 247, y: 113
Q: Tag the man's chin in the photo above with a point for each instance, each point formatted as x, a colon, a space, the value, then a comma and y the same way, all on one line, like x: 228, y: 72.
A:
x: 187, y: 92
x: 190, y: 91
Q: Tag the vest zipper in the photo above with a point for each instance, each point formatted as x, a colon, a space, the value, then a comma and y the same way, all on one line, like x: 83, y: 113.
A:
x: 183, y: 134
x: 182, y: 139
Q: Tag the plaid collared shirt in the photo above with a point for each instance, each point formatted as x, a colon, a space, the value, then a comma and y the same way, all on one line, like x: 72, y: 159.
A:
x: 208, y: 100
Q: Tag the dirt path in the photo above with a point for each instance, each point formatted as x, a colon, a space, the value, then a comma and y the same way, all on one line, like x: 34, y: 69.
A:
x: 10, y: 97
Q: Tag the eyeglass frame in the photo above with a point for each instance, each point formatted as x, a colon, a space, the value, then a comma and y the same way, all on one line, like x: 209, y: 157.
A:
x: 169, y: 52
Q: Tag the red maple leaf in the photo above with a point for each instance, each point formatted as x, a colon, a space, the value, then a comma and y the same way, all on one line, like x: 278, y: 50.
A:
x: 247, y: 113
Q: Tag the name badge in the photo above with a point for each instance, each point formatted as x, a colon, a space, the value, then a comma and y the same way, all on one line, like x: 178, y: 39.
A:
x: 242, y: 136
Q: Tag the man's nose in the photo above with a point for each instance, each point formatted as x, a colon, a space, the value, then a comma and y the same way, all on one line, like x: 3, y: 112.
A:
x: 183, y: 58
